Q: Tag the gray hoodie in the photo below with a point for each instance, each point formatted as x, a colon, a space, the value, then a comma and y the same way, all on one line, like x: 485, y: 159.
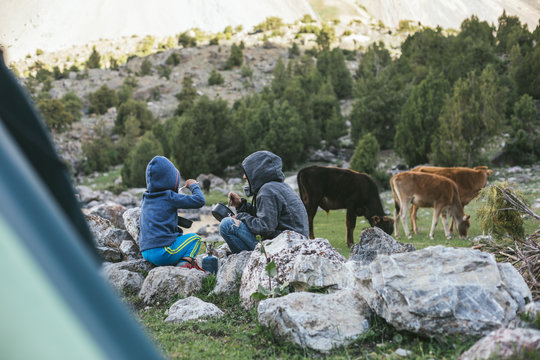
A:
x: 276, y: 206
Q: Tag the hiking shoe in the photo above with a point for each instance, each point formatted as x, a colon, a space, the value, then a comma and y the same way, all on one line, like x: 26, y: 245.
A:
x: 192, y: 265
x: 196, y: 266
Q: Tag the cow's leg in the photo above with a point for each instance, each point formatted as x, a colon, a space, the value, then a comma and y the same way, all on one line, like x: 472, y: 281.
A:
x: 434, y: 220
x: 404, y: 221
x: 351, y: 224
x: 396, y: 221
x: 311, y: 212
x: 445, y: 225
x: 412, y: 213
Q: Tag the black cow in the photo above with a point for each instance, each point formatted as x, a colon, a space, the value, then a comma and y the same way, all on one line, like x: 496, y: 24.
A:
x: 206, y: 185
x: 334, y: 188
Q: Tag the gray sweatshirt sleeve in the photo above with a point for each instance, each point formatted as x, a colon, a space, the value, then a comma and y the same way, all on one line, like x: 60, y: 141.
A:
x: 266, y: 221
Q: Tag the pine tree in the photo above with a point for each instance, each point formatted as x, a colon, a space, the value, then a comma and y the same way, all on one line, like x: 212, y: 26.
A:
x: 365, y: 154
x: 469, y: 118
x: 420, y: 120
x: 94, y: 61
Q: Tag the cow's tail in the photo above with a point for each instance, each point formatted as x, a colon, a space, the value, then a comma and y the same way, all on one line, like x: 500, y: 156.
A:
x: 301, y: 187
x: 395, y: 196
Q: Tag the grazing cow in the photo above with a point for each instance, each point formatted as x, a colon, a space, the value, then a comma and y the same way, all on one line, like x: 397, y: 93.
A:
x: 469, y: 182
x: 206, y: 185
x: 427, y: 190
x: 333, y: 188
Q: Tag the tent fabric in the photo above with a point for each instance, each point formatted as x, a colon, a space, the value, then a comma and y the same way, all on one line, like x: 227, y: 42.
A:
x: 39, y: 211
x: 25, y: 126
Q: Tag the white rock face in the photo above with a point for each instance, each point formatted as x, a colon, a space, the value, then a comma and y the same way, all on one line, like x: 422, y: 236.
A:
x: 374, y: 241
x: 192, y: 308
x: 444, y: 291
x: 164, y: 282
x: 503, y: 343
x: 131, y: 222
x: 317, y: 321
x: 230, y: 270
x: 303, y: 262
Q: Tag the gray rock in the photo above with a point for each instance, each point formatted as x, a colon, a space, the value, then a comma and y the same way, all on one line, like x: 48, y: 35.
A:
x: 110, y: 211
x: 373, y: 242
x: 290, y: 251
x: 124, y: 281
x: 105, y: 234
x: 165, y: 282
x: 131, y: 222
x: 141, y: 266
x: 192, y: 308
x: 109, y: 254
x: 316, y: 321
x: 444, y: 291
x: 505, y: 344
x: 230, y: 272
x: 130, y: 250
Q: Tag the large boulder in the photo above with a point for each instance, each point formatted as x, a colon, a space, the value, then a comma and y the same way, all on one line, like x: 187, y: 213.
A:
x: 300, y: 261
x: 110, y: 211
x: 229, y: 273
x: 165, y: 282
x: 192, y: 308
x: 373, y: 242
x: 126, y: 278
x: 444, y: 291
x: 317, y: 321
x: 506, y: 344
x: 105, y: 233
x: 131, y: 222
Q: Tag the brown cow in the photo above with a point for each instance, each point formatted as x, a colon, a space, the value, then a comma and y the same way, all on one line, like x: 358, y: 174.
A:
x: 334, y: 188
x: 469, y: 182
x: 427, y: 190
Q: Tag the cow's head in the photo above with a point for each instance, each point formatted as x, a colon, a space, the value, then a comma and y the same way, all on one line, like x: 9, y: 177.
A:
x: 385, y: 223
x: 463, y: 225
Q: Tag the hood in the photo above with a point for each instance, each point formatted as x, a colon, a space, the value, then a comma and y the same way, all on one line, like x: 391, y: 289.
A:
x: 262, y: 167
x: 162, y: 175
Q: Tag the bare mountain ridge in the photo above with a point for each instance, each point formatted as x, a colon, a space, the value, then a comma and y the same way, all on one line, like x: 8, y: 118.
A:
x: 26, y: 25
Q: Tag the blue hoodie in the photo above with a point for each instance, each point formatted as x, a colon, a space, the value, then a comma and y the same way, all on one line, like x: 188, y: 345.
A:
x: 161, y: 201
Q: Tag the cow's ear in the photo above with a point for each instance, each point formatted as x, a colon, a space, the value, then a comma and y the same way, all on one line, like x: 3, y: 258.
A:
x: 376, y: 219
x: 387, y: 219
x: 466, y: 217
x: 489, y: 172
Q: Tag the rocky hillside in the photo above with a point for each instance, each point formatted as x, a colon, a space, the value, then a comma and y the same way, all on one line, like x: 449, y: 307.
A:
x: 27, y: 25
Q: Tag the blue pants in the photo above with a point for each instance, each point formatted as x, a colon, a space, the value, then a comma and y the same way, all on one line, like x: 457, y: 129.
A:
x: 238, y: 238
x: 186, y: 245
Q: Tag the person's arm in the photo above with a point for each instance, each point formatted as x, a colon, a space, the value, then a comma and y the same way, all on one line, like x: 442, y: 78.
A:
x: 266, y: 221
x: 194, y: 201
x: 241, y: 204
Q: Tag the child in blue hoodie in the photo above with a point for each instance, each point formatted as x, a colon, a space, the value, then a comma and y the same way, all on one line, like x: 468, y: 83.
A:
x: 161, y: 241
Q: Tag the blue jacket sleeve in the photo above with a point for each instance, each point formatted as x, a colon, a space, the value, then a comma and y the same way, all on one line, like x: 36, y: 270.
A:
x: 194, y: 201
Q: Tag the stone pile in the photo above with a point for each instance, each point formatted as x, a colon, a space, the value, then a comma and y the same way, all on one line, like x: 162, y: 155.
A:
x: 435, y: 291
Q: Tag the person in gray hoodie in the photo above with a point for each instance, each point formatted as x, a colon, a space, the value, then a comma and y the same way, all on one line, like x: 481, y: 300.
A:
x: 275, y: 206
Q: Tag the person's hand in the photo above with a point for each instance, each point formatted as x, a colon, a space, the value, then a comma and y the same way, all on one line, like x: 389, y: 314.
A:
x: 190, y: 182
x: 236, y: 221
x: 234, y: 199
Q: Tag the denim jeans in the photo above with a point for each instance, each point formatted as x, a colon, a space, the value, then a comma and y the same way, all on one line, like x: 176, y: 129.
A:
x: 239, y: 238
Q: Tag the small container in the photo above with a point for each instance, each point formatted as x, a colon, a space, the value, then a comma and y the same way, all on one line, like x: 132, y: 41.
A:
x: 210, y: 264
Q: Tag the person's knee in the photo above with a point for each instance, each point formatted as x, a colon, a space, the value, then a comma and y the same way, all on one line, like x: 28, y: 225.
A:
x: 225, y: 225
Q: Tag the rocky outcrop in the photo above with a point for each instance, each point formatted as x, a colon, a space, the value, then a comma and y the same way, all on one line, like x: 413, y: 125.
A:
x: 316, y: 321
x: 230, y: 272
x: 300, y: 261
x: 444, y: 291
x: 506, y: 344
x: 192, y: 308
x: 165, y: 282
x: 373, y: 242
